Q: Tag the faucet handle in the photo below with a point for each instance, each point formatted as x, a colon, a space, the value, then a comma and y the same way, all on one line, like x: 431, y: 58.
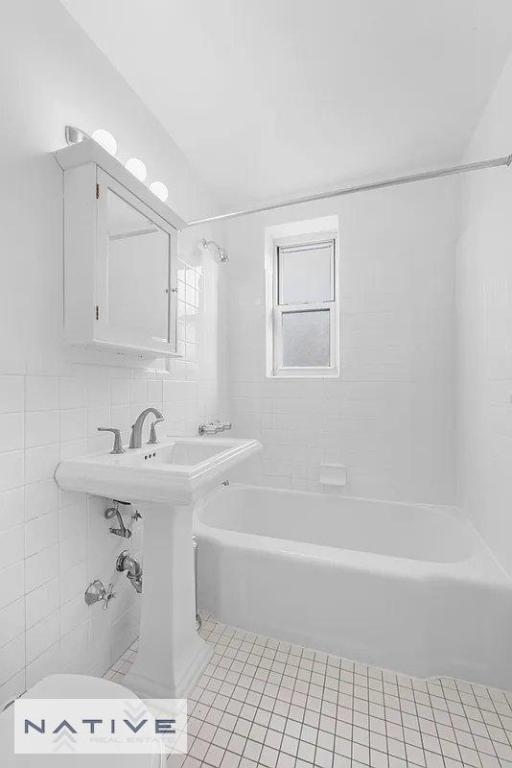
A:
x: 222, y: 426
x: 96, y: 592
x: 152, y: 432
x: 118, y: 446
x: 214, y: 427
x: 109, y: 594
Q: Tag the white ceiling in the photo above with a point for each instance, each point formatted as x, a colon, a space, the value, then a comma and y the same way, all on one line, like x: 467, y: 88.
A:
x: 270, y: 97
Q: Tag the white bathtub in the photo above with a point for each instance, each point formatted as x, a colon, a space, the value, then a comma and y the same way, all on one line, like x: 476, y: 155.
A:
x: 408, y: 587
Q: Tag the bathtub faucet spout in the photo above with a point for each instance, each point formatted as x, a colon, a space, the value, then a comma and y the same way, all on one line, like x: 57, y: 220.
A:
x: 213, y: 427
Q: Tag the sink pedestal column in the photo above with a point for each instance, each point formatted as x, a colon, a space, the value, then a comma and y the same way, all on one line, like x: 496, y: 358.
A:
x: 171, y: 654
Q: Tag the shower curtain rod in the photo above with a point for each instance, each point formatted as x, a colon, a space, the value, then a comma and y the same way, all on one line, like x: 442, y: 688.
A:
x: 479, y: 166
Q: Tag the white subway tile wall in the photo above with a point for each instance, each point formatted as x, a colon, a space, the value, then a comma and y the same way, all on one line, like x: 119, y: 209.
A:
x: 389, y: 417
x: 484, y: 336
x: 53, y: 543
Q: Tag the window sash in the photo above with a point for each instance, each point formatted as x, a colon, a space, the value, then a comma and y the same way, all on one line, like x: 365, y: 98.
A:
x: 309, y: 245
x: 279, y: 311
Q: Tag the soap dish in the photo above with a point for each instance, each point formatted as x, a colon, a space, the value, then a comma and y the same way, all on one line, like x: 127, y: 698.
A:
x: 333, y: 474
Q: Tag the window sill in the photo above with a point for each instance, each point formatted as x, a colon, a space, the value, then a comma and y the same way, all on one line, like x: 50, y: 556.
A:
x: 317, y: 373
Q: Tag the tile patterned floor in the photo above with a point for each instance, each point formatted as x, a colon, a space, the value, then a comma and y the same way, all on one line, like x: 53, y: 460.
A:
x: 265, y: 702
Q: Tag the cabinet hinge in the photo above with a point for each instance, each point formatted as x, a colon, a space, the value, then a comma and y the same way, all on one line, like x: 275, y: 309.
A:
x: 97, y: 312
x: 97, y: 191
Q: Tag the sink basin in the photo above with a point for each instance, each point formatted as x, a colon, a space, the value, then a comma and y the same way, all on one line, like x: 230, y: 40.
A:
x: 178, y: 470
x: 164, y: 480
x: 186, y: 453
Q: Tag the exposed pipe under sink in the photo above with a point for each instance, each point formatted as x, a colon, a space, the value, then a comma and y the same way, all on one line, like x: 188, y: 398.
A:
x: 133, y: 569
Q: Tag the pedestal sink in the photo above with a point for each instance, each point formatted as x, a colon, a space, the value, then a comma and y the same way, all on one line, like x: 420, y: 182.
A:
x: 164, y: 481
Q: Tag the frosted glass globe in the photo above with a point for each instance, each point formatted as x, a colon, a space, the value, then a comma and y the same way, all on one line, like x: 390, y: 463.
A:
x: 160, y: 190
x: 137, y: 167
x: 105, y: 140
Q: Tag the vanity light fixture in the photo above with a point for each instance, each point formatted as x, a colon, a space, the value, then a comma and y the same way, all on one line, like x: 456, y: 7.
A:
x: 160, y: 190
x: 106, y: 140
x: 74, y: 135
x: 137, y: 167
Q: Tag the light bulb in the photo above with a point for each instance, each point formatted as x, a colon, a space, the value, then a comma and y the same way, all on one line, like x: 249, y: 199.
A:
x: 160, y: 190
x: 105, y: 140
x: 137, y: 167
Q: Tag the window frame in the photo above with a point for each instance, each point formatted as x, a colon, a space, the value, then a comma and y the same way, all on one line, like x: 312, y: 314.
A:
x: 299, y: 234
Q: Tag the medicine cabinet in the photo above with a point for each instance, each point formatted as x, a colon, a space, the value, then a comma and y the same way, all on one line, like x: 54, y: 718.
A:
x: 119, y: 257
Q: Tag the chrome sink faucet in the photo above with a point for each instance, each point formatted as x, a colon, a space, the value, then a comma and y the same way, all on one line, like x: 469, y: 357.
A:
x: 136, y: 435
x: 213, y: 427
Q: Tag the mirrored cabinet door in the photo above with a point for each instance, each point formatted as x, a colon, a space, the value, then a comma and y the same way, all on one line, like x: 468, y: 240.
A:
x: 135, y: 259
x: 138, y: 271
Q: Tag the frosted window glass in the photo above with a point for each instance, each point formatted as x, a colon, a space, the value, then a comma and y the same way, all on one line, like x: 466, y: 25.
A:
x: 306, y: 339
x: 305, y: 274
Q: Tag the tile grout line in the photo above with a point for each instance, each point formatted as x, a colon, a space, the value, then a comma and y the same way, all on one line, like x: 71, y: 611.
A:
x: 243, y: 666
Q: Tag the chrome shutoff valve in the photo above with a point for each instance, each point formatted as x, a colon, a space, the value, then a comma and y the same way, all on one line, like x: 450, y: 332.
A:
x: 112, y: 512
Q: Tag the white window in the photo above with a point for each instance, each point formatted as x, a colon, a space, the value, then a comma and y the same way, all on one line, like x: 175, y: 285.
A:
x: 302, y: 299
